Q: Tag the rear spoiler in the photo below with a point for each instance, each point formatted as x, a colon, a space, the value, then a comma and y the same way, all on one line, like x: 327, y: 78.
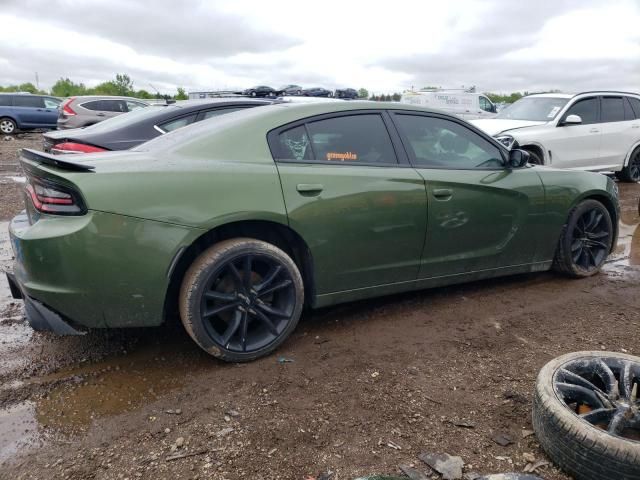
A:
x: 54, y: 160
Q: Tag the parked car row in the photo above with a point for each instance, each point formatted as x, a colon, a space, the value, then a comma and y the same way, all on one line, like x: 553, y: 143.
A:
x: 266, y: 91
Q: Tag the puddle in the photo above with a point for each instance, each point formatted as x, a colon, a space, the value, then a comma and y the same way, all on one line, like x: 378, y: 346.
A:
x: 625, y: 258
x: 116, y: 385
x: 19, y: 429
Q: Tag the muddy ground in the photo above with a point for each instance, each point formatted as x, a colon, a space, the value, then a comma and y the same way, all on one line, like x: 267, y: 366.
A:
x: 358, y: 389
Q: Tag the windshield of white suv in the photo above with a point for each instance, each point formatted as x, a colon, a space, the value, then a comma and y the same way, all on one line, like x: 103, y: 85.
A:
x: 537, y: 109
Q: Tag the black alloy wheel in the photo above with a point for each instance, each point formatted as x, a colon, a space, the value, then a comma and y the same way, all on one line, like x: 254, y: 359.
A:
x: 241, y: 299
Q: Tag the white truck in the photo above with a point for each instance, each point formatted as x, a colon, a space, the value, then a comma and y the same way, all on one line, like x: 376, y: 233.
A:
x: 465, y: 104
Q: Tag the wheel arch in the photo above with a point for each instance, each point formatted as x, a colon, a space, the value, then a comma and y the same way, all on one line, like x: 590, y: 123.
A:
x: 13, y: 119
x: 275, y: 233
x: 629, y: 153
x: 537, y: 149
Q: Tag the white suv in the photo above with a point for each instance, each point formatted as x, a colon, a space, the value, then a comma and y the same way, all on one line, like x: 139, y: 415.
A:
x: 597, y: 131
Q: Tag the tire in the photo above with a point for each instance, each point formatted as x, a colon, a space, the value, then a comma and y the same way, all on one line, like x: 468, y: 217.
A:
x: 8, y: 126
x: 253, y: 94
x: 592, y: 243
x: 534, y: 158
x: 631, y: 173
x: 580, y: 448
x: 215, y: 282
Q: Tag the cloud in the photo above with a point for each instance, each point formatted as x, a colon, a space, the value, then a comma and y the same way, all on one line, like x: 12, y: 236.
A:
x: 498, y: 45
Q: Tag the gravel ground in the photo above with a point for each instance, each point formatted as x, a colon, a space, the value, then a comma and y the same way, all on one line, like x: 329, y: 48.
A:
x: 358, y: 389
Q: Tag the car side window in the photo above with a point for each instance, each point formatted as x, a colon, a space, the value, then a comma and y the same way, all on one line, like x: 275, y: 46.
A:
x: 6, y: 100
x: 485, y: 105
x: 439, y: 143
x: 586, y: 109
x: 93, y: 105
x: 220, y: 111
x: 52, y: 102
x: 178, y: 123
x: 612, y: 109
x: 293, y: 144
x: 28, y: 101
x: 134, y: 105
x: 114, y: 106
x: 635, y: 105
x: 354, y: 139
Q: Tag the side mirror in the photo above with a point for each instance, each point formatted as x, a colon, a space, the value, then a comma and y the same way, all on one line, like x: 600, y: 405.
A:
x: 518, y: 158
x: 572, y: 120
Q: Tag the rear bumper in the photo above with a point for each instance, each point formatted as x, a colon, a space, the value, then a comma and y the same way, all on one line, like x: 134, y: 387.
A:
x: 39, y: 316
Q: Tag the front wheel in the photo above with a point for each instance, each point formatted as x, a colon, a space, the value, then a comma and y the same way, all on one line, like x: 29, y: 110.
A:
x: 585, y: 241
x: 241, y: 298
x: 7, y: 126
x: 631, y: 173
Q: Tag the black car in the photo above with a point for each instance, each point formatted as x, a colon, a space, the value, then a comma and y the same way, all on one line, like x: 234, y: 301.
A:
x: 136, y: 127
x: 347, y: 93
x: 290, y: 90
x: 261, y: 91
x: 317, y: 92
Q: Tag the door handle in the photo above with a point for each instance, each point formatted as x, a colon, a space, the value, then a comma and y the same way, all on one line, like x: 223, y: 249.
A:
x: 594, y: 130
x: 635, y: 126
x: 442, y: 193
x: 309, y: 188
x: 99, y: 114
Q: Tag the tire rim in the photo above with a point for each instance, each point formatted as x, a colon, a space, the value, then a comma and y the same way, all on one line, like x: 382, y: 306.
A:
x: 634, y: 167
x: 602, y: 391
x: 247, y: 303
x: 590, y: 240
x: 6, y: 126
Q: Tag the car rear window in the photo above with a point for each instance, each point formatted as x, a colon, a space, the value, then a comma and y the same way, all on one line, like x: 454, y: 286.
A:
x: 28, y: 101
x: 612, y: 109
x: 178, y: 123
x: 635, y: 104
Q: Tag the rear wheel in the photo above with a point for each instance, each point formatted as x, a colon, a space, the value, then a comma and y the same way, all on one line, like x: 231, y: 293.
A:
x: 631, y: 173
x: 585, y: 241
x: 7, y: 126
x: 241, y: 299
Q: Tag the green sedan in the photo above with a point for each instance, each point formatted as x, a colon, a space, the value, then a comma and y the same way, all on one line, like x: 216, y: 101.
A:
x: 238, y: 223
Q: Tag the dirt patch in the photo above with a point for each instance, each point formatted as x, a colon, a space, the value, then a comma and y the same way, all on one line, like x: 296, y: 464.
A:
x: 358, y: 389
x: 11, y: 200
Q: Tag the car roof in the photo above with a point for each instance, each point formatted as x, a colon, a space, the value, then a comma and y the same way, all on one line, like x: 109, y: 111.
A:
x: 108, y: 97
x: 572, y: 95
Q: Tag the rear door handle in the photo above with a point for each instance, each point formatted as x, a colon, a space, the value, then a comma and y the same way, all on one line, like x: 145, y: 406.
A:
x: 100, y: 114
x: 310, y: 188
x: 635, y: 126
x: 442, y: 193
x: 594, y: 130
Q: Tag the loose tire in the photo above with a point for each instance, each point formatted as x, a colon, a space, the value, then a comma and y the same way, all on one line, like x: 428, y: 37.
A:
x: 7, y: 126
x: 241, y: 298
x: 565, y: 404
x: 631, y: 173
x: 585, y: 241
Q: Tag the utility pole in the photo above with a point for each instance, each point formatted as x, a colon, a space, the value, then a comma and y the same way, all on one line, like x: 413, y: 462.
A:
x: 37, y: 82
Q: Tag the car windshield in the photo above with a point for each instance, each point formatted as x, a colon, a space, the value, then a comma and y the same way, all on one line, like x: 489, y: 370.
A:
x: 128, y: 118
x: 538, y: 109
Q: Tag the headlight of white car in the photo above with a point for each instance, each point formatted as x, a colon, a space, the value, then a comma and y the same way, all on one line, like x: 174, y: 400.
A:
x: 506, y: 140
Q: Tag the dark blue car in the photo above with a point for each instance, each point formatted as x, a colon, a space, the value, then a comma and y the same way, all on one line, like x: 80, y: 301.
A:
x: 22, y: 111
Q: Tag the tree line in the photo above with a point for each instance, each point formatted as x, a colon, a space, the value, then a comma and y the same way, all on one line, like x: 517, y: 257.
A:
x: 121, y: 85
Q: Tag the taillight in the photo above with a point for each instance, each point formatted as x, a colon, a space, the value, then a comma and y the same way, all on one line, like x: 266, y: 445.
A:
x: 48, y: 197
x: 66, y: 109
x: 72, y: 147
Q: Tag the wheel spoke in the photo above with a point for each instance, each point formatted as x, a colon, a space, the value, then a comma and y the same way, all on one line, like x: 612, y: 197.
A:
x: 235, y: 274
x: 607, y: 376
x: 246, y: 270
x: 232, y: 328
x: 618, y: 422
x: 275, y: 288
x: 576, y: 245
x: 626, y: 379
x: 270, y: 277
x: 567, y: 376
x: 591, y: 260
x: 221, y: 308
x: 599, y: 415
x: 580, y: 394
x: 245, y: 328
x: 268, y: 309
x: 266, y: 320
x: 223, y: 297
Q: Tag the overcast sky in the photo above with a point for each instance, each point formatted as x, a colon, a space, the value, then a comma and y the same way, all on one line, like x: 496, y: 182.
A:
x: 498, y: 45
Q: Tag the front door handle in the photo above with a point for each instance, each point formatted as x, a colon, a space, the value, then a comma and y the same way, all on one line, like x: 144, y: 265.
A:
x: 100, y: 114
x: 635, y: 126
x: 594, y: 130
x: 442, y: 193
x: 309, y: 188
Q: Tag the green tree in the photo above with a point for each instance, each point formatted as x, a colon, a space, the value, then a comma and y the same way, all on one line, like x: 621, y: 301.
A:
x: 363, y: 93
x: 181, y: 95
x: 143, y: 94
x: 396, y: 97
x: 123, y: 84
x: 64, y: 87
x: 105, y: 88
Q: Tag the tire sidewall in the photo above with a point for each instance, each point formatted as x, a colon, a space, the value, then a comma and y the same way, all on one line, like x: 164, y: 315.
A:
x: 15, y: 125
x: 566, y: 239
x: 207, y: 265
